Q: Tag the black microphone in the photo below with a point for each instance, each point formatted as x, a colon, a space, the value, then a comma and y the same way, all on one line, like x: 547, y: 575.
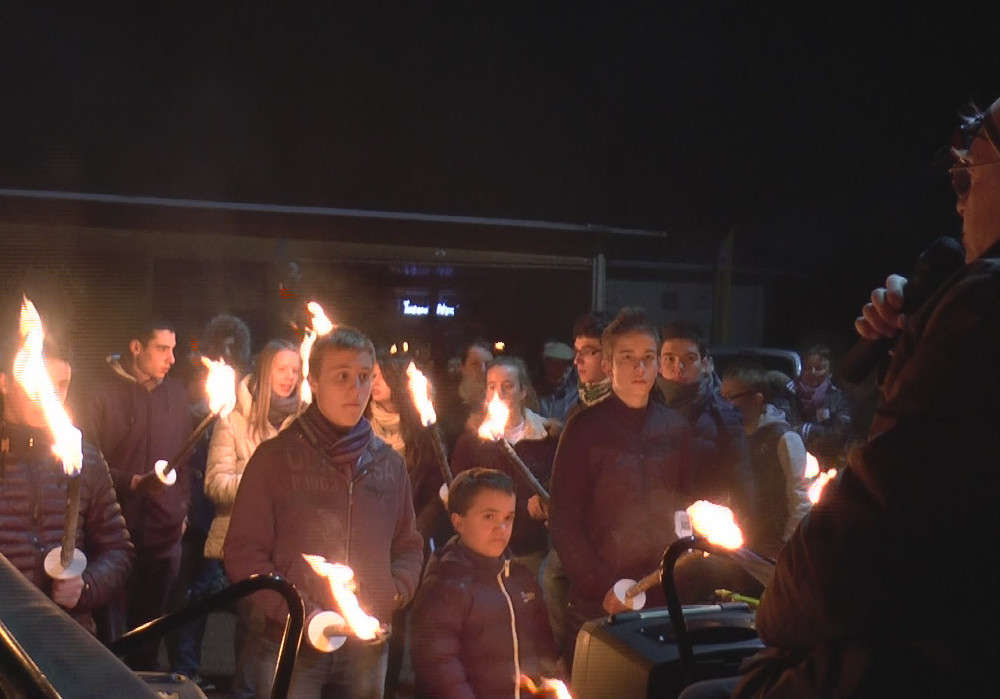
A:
x: 936, y: 263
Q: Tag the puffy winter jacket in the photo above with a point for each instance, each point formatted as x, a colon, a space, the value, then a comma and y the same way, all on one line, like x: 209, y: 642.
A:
x: 478, y: 622
x: 32, y: 515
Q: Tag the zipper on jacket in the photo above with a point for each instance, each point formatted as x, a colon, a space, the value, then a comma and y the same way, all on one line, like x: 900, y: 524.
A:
x: 350, y: 505
x: 505, y: 573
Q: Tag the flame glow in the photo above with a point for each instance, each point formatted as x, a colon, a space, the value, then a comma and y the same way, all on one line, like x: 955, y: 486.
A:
x: 555, y: 688
x: 392, y: 350
x: 341, y: 580
x: 406, y: 346
x: 321, y: 325
x: 220, y: 386
x: 812, y: 466
x: 499, y: 346
x: 420, y: 391
x: 497, y: 414
x: 715, y: 523
x: 30, y: 372
x: 819, y: 485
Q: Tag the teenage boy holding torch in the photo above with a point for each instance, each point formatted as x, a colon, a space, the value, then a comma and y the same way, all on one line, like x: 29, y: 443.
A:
x: 136, y: 415
x: 327, y: 486
x: 34, y: 500
x: 621, y: 471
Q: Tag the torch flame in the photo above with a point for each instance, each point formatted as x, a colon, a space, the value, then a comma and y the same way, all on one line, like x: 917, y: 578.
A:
x: 819, y: 485
x: 220, y: 385
x: 406, y: 346
x: 341, y: 580
x: 497, y: 414
x: 812, y: 466
x: 499, y: 346
x: 420, y: 390
x: 392, y: 350
x: 716, y: 524
x: 30, y: 372
x: 555, y: 687
x: 321, y: 325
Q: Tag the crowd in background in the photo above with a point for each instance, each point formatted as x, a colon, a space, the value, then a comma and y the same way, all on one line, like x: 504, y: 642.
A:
x: 739, y: 439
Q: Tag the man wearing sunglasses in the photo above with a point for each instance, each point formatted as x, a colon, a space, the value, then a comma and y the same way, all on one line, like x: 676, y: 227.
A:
x: 879, y: 591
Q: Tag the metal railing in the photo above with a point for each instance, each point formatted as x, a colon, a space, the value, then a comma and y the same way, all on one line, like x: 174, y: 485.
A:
x: 290, y: 640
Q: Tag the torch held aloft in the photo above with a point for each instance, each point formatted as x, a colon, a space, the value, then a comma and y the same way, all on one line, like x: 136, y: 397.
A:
x: 441, y: 454
x: 71, y: 521
x: 164, y: 469
x: 67, y: 561
x: 525, y: 472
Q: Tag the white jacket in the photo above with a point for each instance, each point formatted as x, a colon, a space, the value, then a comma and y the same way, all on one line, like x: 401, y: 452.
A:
x: 229, y: 451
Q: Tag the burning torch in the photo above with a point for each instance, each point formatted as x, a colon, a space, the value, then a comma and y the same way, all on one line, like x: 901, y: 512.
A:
x: 321, y: 325
x: 719, y: 535
x: 328, y: 630
x: 819, y: 479
x: 492, y: 430
x: 718, y: 528
x: 66, y: 561
x: 420, y: 391
x: 220, y: 385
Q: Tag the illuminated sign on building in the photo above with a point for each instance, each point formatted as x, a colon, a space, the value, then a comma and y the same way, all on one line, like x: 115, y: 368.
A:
x: 415, y: 309
x: 412, y: 309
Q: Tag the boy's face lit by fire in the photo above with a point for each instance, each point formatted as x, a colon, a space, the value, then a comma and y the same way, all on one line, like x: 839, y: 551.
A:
x: 486, y: 526
x: 342, y: 388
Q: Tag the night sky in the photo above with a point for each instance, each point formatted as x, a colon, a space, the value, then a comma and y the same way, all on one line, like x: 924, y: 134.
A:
x: 809, y: 130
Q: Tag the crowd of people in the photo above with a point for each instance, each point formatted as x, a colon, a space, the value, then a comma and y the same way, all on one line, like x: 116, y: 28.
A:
x: 490, y: 579
x: 355, y: 476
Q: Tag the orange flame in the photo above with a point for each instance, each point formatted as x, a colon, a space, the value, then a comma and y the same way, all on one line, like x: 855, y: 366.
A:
x: 341, y: 580
x: 819, y: 485
x: 220, y: 385
x: 321, y: 325
x: 30, y: 372
x: 556, y: 688
x: 499, y: 346
x: 497, y: 414
x: 392, y: 350
x: 716, y: 524
x: 406, y: 346
x: 420, y: 390
x: 812, y: 466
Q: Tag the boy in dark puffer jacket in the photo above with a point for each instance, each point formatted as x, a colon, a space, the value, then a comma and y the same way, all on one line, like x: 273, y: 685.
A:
x: 479, y: 621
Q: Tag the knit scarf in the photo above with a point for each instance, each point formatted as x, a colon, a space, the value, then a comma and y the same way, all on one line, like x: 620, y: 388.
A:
x: 343, y: 447
x: 811, y: 398
x: 281, y: 408
x: 591, y: 393
x: 385, y: 425
x: 687, y: 399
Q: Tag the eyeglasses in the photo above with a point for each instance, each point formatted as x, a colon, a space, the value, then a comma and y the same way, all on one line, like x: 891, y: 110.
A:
x: 961, y: 175
x: 733, y: 397
x: 972, y: 127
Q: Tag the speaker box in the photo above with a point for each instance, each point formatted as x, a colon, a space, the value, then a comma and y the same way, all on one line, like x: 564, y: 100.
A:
x: 635, y: 654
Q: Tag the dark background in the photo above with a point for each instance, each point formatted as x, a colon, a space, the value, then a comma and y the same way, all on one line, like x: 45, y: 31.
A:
x: 809, y: 129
